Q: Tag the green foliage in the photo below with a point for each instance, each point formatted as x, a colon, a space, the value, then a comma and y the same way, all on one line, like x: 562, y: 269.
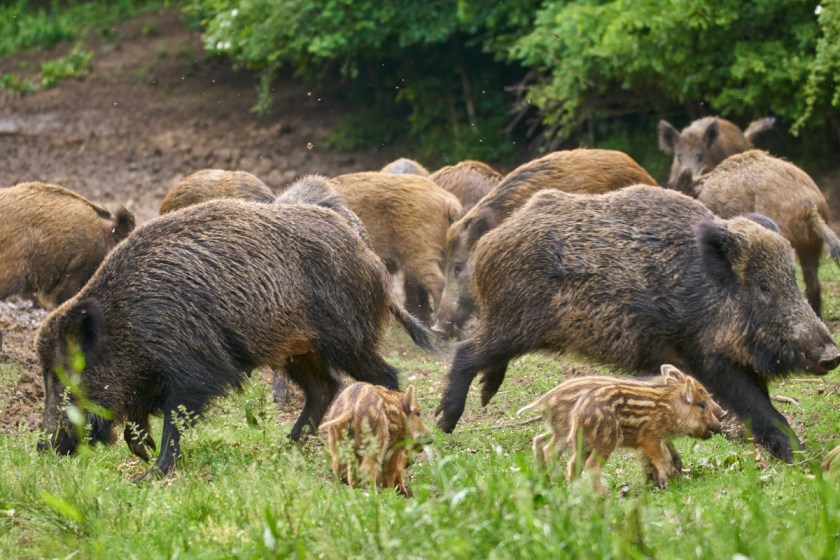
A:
x: 601, y: 60
x: 821, y: 91
x: 75, y: 64
x: 26, y: 25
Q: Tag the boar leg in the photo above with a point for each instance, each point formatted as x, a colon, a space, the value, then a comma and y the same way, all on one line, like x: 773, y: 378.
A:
x: 810, y: 261
x: 471, y: 357
x: 138, y: 436
x: 170, y: 441
x: 748, y: 397
x: 676, y: 460
x: 417, y: 300
x: 368, y: 366
x: 659, y: 459
x: 312, y: 374
x: 393, y: 472
x: 538, y: 446
x: 490, y: 382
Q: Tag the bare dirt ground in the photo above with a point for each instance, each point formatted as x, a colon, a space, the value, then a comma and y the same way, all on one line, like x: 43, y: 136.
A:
x: 152, y: 110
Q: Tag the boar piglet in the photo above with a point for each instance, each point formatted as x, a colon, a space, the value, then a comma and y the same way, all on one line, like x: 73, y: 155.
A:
x: 644, y: 418
x: 556, y: 405
x: 185, y: 308
x: 384, y: 425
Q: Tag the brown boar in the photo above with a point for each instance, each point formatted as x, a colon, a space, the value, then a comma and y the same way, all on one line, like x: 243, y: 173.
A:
x: 52, y: 240
x: 706, y: 142
x: 209, y: 184
x: 383, y: 425
x: 468, y: 180
x: 179, y: 314
x: 574, y: 171
x: 406, y: 217
x: 636, y: 278
x: 756, y: 182
x: 637, y: 416
x: 406, y: 166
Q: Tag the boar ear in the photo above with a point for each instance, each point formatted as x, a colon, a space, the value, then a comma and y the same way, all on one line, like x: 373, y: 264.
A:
x: 687, y: 394
x: 763, y: 221
x: 123, y: 224
x: 409, y: 403
x: 759, y: 126
x: 715, y: 244
x: 485, y: 220
x: 671, y: 372
x: 712, y: 132
x: 82, y: 326
x: 668, y: 136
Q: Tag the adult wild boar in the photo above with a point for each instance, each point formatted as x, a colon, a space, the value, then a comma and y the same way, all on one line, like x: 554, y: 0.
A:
x: 575, y: 171
x: 209, y: 184
x: 406, y: 166
x: 180, y: 312
x: 52, y: 240
x: 755, y: 181
x: 637, y: 278
x: 406, y: 217
x: 469, y: 180
x: 706, y: 142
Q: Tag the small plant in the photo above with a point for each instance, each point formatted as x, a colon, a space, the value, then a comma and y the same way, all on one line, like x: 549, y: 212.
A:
x: 75, y: 65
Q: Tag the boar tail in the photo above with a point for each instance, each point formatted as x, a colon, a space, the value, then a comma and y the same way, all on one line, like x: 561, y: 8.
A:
x: 335, y: 422
x: 418, y: 333
x: 757, y: 127
x: 123, y: 224
x: 537, y: 404
x: 827, y: 234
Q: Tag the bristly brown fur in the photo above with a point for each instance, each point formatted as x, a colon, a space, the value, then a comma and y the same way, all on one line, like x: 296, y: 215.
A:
x: 469, y: 180
x: 52, y: 240
x: 389, y: 418
x: 575, y: 171
x: 210, y: 184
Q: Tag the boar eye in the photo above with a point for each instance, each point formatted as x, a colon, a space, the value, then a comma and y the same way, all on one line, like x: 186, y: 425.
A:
x: 700, y: 158
x: 702, y: 405
x: 458, y: 268
x: 766, y: 293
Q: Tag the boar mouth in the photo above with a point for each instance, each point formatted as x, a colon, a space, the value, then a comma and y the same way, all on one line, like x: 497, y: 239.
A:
x: 829, y: 360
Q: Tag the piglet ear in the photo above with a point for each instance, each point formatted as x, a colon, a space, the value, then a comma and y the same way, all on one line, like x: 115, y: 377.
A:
x: 716, y: 245
x: 687, y: 394
x: 668, y: 136
x: 672, y: 373
x: 485, y: 220
x: 409, y: 403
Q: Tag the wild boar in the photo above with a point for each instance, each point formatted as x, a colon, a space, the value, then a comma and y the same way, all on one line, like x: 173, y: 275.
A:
x: 556, y: 406
x: 706, y: 142
x: 406, y: 217
x: 406, y: 166
x: 574, y: 171
x: 52, y: 240
x: 756, y: 182
x: 636, y: 278
x: 194, y: 300
x: 383, y: 425
x: 209, y: 184
x: 468, y: 180
x: 644, y: 418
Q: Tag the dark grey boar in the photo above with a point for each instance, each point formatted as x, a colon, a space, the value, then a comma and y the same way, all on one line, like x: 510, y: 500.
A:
x: 406, y: 217
x: 574, y: 171
x: 757, y: 182
x: 52, y: 240
x: 210, y: 184
x: 469, y: 180
x: 194, y: 300
x: 637, y: 278
x: 320, y: 191
x: 706, y: 142
x: 406, y: 166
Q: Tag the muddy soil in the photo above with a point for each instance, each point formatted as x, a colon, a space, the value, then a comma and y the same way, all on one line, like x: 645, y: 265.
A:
x: 152, y: 110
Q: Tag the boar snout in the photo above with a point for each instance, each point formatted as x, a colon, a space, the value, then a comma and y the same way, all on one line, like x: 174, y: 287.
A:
x: 830, y: 359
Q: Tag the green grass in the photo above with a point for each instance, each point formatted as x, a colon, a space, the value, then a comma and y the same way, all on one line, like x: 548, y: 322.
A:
x: 243, y: 491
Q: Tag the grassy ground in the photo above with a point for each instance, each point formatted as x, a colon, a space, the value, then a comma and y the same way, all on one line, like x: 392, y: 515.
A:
x: 243, y: 491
